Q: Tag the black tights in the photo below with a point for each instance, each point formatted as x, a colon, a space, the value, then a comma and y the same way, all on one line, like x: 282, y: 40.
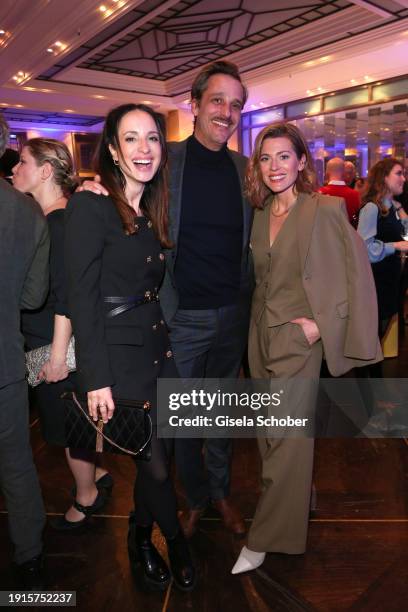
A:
x: 154, y: 495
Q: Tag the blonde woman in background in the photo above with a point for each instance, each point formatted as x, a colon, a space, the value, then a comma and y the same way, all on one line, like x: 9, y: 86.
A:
x: 45, y: 170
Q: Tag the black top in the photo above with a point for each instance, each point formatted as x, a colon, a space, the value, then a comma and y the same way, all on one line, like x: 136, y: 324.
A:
x: 131, y: 350
x: 403, y: 198
x: 38, y: 325
x: 387, y: 271
x: 210, y: 237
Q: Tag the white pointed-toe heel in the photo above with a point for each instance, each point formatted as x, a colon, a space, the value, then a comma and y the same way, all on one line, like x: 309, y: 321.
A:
x: 248, y: 560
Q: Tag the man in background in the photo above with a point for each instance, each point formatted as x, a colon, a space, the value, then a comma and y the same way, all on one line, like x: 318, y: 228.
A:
x: 350, y: 174
x: 336, y: 186
x: 24, y: 247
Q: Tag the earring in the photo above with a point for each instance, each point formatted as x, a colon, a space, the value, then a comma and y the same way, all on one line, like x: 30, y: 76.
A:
x: 116, y: 161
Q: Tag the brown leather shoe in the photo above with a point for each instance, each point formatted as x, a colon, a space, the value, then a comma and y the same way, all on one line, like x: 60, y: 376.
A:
x: 189, y: 520
x: 231, y: 516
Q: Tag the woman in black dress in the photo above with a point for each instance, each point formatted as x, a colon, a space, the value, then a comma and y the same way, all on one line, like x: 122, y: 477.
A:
x: 45, y: 170
x: 114, y: 250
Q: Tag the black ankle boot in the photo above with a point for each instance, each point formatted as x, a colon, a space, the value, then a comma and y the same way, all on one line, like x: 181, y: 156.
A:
x: 31, y: 574
x: 182, y: 567
x: 144, y: 557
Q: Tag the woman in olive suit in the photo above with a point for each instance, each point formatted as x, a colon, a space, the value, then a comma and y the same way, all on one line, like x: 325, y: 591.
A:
x: 314, y: 295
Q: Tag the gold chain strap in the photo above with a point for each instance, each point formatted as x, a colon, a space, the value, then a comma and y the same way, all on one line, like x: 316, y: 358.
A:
x: 100, y: 436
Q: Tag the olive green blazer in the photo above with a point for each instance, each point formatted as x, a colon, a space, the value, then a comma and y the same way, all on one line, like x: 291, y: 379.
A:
x: 337, y: 280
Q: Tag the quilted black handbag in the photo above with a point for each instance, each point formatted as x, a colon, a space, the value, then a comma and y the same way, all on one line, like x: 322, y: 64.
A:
x: 128, y: 432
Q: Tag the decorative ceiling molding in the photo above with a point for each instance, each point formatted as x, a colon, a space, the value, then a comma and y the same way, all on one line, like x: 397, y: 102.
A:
x: 374, y: 7
x: 194, y: 32
x: 167, y: 43
x: 139, y: 19
x: 271, y: 52
x: 268, y: 57
x: 61, y: 119
x: 35, y: 25
x: 361, y: 43
x: 106, y: 80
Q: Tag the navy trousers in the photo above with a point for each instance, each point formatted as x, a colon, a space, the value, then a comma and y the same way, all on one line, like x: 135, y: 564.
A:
x: 207, y: 344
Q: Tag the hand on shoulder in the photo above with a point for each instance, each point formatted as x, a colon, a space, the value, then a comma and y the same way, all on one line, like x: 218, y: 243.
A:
x: 94, y: 186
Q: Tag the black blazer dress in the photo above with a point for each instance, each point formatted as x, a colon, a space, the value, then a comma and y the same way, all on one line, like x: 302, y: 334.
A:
x: 129, y: 351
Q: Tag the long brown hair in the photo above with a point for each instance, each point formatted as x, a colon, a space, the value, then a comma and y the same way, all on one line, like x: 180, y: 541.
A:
x: 375, y: 189
x: 256, y: 190
x: 154, y: 200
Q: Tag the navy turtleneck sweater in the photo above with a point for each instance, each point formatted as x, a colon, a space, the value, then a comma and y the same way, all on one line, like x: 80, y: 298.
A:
x: 209, y: 252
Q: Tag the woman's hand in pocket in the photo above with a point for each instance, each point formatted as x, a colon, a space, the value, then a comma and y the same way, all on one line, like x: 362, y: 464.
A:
x: 309, y: 328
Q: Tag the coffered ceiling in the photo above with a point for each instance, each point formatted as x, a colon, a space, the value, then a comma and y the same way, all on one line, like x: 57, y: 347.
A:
x: 192, y: 33
x: 84, y: 56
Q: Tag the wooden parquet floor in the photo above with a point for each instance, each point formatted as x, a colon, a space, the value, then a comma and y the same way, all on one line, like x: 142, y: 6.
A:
x: 357, y: 558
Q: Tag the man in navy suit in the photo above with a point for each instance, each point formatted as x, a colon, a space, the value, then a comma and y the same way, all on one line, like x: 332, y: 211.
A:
x: 24, y: 247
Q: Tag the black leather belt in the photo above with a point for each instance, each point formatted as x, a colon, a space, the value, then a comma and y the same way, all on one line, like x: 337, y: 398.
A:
x: 127, y: 303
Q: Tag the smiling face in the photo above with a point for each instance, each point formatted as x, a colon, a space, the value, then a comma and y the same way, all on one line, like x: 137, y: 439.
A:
x: 218, y: 112
x: 139, y: 152
x: 27, y: 175
x: 279, y: 164
x: 395, y: 180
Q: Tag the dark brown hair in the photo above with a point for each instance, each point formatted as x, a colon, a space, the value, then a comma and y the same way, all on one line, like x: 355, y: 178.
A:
x: 57, y: 154
x: 375, y: 188
x: 255, y: 188
x: 200, y: 83
x: 154, y: 201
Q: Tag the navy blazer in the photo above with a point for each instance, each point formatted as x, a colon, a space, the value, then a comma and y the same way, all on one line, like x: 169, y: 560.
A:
x: 169, y: 293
